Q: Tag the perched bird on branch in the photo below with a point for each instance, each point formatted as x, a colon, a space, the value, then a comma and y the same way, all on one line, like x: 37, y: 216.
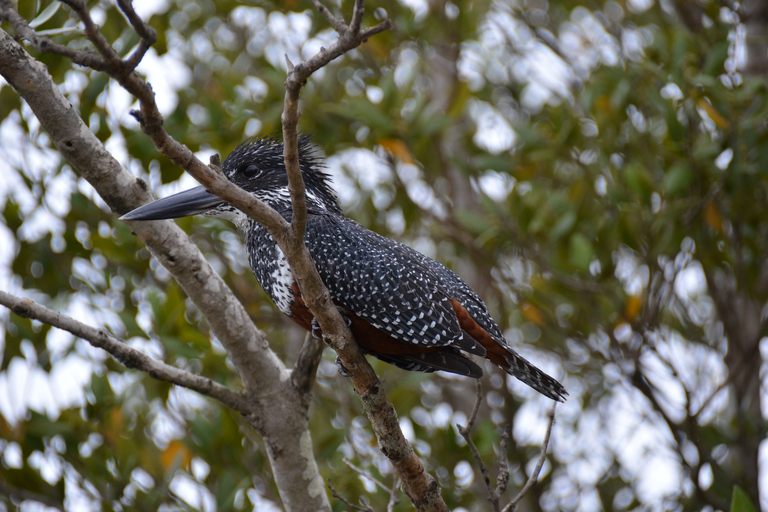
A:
x: 402, y: 307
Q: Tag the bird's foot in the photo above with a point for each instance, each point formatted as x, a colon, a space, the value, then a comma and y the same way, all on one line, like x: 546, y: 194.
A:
x: 342, y: 371
x: 316, y: 331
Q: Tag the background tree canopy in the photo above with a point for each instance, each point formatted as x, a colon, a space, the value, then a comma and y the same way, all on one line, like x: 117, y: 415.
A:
x: 596, y: 171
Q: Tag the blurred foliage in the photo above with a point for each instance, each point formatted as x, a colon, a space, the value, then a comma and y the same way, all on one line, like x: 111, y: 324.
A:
x: 586, y: 170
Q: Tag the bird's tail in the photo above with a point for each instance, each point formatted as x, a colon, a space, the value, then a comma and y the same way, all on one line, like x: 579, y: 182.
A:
x: 524, y: 371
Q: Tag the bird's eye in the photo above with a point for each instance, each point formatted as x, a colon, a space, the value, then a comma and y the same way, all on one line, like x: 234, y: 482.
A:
x: 250, y: 170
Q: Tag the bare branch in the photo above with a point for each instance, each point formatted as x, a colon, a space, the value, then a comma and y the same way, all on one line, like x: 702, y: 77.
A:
x: 393, y: 492
x: 337, y: 24
x: 92, y: 31
x: 145, y: 31
x: 44, y: 44
x: 476, y: 406
x: 494, y: 494
x: 348, y: 503
x: 503, y: 477
x: 393, y: 500
x: 512, y: 506
x: 466, y: 432
x: 26, y: 495
x: 357, y: 17
x: 127, y: 355
x: 365, y: 474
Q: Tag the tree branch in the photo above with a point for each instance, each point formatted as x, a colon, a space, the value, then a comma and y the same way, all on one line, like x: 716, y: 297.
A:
x: 512, y: 506
x: 420, y: 487
x: 23, y: 494
x: 127, y: 355
x: 145, y: 31
x: 344, y: 500
x: 494, y: 494
x: 281, y: 422
x: 87, y: 58
x: 466, y: 433
x: 502, y: 479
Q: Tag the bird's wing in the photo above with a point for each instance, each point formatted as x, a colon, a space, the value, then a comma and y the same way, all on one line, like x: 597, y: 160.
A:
x: 459, y: 290
x: 382, y: 282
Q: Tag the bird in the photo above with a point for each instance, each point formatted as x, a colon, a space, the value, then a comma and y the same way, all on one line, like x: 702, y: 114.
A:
x: 402, y: 307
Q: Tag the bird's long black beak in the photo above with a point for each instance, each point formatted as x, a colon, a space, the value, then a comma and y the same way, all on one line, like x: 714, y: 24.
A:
x: 190, y: 202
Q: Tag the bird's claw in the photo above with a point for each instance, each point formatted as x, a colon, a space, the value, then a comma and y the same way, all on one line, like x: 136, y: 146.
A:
x: 342, y: 371
x: 317, y: 332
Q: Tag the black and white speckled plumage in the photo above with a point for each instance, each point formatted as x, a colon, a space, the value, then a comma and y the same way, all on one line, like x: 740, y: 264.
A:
x: 392, y: 287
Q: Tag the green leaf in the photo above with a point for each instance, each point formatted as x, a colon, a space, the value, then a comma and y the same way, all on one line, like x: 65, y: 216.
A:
x: 580, y: 251
x: 716, y: 58
x: 473, y: 222
x: 44, y: 16
x: 9, y: 101
x: 563, y: 225
x: 639, y: 180
x: 740, y: 502
x: 677, y: 179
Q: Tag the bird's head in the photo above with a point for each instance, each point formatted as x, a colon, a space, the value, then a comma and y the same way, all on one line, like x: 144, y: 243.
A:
x: 257, y: 167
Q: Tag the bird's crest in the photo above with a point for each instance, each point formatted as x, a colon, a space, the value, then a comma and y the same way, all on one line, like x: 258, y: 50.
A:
x: 257, y: 165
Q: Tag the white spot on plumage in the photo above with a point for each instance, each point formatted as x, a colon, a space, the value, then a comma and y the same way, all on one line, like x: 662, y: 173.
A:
x: 282, y: 280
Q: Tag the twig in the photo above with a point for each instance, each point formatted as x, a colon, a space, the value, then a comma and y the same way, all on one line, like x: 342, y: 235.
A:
x: 465, y: 432
x: 502, y: 480
x: 348, y: 503
x: 127, y: 355
x: 146, y: 33
x: 393, y: 499
x: 503, y: 477
x: 87, y: 58
x: 337, y: 24
x: 366, y: 474
x: 357, y: 17
x: 512, y: 506
x: 23, y: 494
x: 92, y: 31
